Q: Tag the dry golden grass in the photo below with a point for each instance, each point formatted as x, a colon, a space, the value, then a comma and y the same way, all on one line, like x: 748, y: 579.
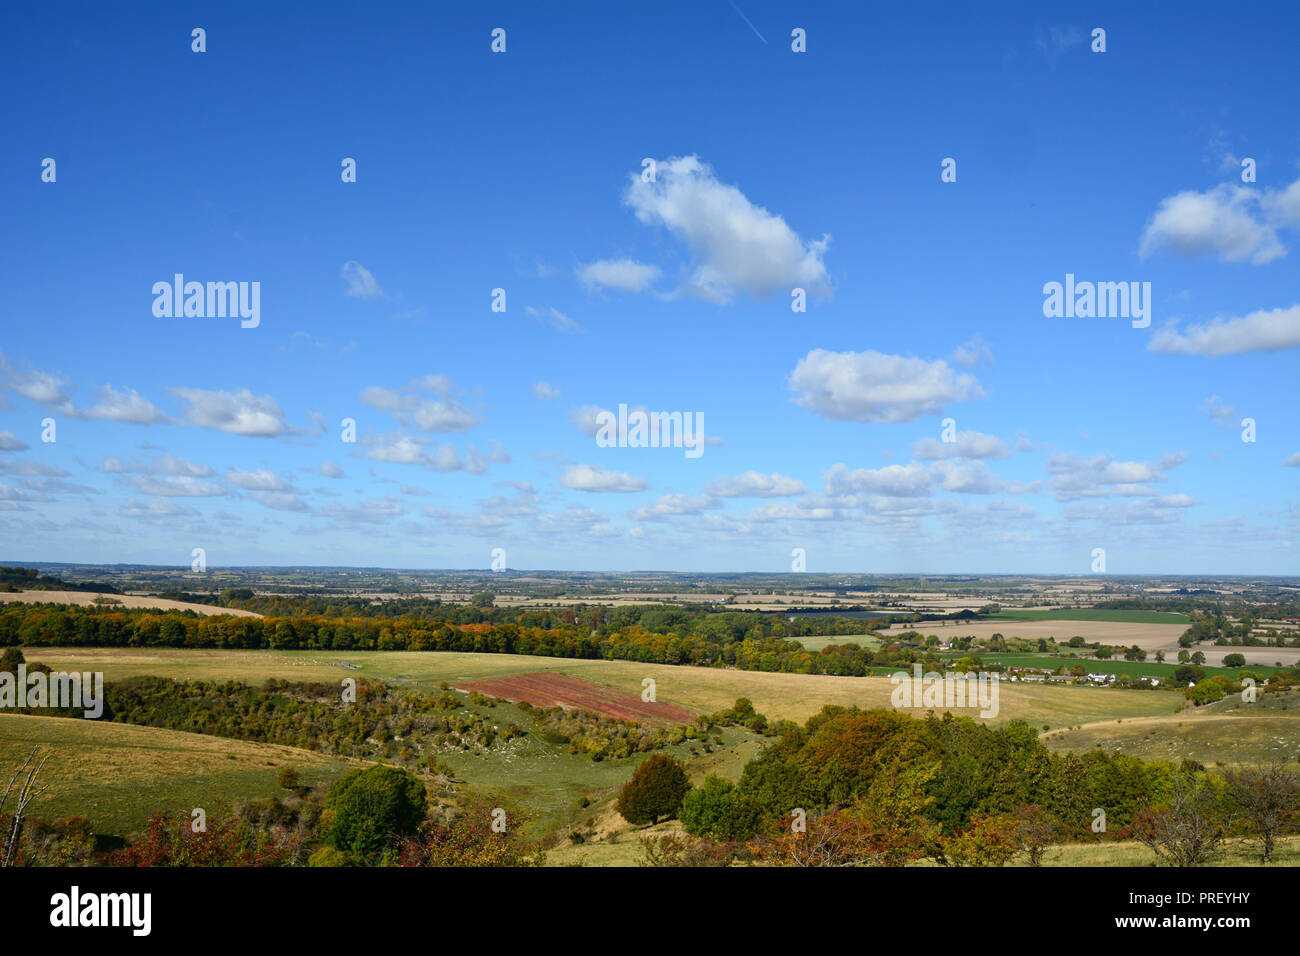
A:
x: 87, y: 599
x: 117, y: 774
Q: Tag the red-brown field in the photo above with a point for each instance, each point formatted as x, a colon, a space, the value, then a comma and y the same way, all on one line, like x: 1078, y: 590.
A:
x: 544, y: 689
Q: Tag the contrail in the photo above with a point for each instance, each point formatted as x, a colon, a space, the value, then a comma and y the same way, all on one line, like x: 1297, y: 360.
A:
x: 746, y: 19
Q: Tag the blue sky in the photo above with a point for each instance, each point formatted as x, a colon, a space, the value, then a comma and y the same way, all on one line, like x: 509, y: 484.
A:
x: 522, y: 171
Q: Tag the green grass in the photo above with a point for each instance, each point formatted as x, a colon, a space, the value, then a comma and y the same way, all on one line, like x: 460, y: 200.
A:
x: 549, y: 783
x: 815, y: 644
x: 1089, y: 614
x: 116, y: 775
x: 1226, y: 732
x: 1094, y: 665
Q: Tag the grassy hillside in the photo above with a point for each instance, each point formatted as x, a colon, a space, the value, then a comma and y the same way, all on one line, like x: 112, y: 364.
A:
x: 701, y: 690
x: 1226, y: 732
x: 116, y: 775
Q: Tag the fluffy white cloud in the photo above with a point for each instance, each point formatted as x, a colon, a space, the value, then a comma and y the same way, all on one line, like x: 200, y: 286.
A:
x: 124, y: 405
x: 545, y: 391
x: 625, y: 275
x: 1102, y: 476
x: 361, y: 284
x: 178, y: 487
x: 753, y: 484
x: 967, y: 445
x: 424, y: 404
x: 734, y: 243
x: 595, y: 478
x: 260, y: 480
x: 401, y: 449
x: 895, y: 481
x: 873, y: 387
x: 330, y: 470
x: 279, y: 500
x: 668, y: 506
x: 1231, y: 222
x: 1263, y: 331
x: 555, y: 319
x: 11, y: 442
x: 164, y: 464
x: 239, y: 413
x: 974, y: 478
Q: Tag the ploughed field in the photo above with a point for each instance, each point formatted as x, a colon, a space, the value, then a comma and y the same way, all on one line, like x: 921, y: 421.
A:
x: 545, y: 689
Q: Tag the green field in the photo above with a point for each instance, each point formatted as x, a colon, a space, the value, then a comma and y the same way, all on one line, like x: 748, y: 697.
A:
x: 815, y: 644
x: 116, y: 775
x: 1088, y: 614
x: 703, y: 690
x: 1132, y: 668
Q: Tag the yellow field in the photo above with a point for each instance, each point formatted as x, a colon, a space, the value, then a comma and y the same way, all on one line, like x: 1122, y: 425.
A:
x: 702, y: 690
x: 87, y: 599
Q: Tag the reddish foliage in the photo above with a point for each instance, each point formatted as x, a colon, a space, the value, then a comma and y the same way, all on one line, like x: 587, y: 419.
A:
x: 556, y: 690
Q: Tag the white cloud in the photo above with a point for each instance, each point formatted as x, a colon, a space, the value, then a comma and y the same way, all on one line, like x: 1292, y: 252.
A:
x: 239, y: 413
x: 401, y: 449
x: 595, y: 478
x: 545, y: 391
x: 361, y: 284
x: 178, y: 487
x: 667, y: 506
x: 330, y: 470
x: 1103, y: 476
x: 11, y: 442
x: 1293, y: 461
x: 874, y: 387
x: 126, y: 405
x: 555, y: 319
x: 260, y: 480
x: 734, y: 243
x: 974, y: 478
x: 1262, y: 331
x: 414, y: 405
x: 279, y: 500
x: 895, y: 481
x: 972, y: 353
x: 1231, y: 222
x: 626, y: 275
x: 967, y: 445
x: 753, y: 484
x: 164, y: 464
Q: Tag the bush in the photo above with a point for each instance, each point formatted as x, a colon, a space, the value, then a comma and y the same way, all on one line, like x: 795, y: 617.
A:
x: 373, y: 808
x: 655, y: 791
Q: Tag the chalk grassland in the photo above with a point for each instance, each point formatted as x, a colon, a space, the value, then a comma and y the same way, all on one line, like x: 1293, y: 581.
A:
x: 87, y: 599
x: 1092, y: 614
x: 1227, y: 732
x: 116, y: 775
x: 701, y: 690
x: 1149, y: 636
